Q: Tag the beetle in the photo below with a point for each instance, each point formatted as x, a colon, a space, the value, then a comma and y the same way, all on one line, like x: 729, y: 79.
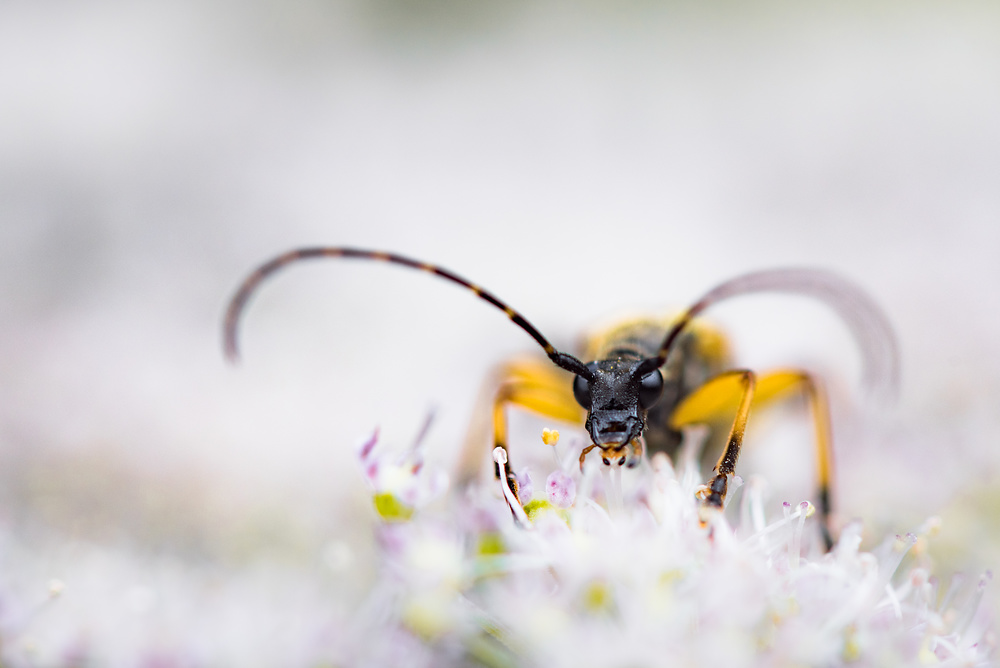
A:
x: 647, y: 379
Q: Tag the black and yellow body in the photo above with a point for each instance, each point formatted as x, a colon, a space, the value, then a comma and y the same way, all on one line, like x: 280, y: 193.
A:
x: 638, y: 384
x: 699, y: 387
x: 700, y: 353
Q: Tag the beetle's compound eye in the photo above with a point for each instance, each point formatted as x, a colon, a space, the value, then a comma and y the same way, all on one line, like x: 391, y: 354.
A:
x: 650, y: 388
x: 581, y: 386
x: 581, y: 390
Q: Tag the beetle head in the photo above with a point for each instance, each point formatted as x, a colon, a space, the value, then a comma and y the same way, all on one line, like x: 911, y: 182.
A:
x: 616, y: 394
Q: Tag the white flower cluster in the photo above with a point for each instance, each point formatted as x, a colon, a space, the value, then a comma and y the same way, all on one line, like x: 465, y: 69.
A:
x: 584, y: 575
x: 592, y: 570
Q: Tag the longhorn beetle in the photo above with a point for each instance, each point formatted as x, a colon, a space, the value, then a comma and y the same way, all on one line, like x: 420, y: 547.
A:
x: 650, y: 378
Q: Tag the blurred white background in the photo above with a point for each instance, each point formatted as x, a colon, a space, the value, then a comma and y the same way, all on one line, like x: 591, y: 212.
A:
x: 576, y: 160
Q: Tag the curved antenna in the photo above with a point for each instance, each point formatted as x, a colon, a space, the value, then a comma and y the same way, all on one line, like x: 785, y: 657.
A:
x: 867, y: 322
x: 238, y: 303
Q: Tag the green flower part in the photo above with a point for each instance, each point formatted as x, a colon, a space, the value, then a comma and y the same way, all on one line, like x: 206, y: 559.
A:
x: 392, y: 509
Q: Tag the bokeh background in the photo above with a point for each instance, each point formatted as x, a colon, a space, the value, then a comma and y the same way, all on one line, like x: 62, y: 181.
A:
x: 577, y: 159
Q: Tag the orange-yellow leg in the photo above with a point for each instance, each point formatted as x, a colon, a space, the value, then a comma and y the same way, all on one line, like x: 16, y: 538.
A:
x: 704, y: 405
x: 782, y: 384
x: 536, y: 386
x: 726, y: 394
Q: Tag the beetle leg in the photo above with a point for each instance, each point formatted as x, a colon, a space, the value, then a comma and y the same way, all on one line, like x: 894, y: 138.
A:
x: 779, y: 385
x: 723, y: 395
x: 705, y: 405
x: 726, y: 465
x: 530, y: 383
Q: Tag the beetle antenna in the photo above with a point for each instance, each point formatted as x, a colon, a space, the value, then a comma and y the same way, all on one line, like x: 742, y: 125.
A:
x: 238, y: 303
x: 866, y: 321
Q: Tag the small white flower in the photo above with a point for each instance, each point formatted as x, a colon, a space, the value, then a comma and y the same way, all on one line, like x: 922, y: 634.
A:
x: 561, y: 489
x: 401, y: 481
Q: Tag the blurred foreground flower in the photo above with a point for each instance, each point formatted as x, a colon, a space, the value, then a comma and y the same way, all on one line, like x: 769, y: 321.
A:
x: 593, y: 570
x: 584, y: 575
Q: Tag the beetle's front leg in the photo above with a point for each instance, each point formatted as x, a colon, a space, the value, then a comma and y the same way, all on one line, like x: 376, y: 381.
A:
x: 529, y: 383
x: 705, y: 401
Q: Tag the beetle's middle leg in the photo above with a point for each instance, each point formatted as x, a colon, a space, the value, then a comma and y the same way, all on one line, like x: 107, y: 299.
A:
x: 779, y: 385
